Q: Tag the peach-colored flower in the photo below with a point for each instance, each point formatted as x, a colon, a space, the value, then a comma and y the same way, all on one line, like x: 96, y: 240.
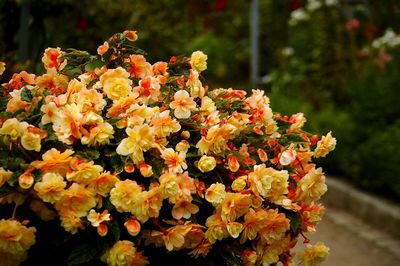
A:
x: 148, y: 205
x: 297, y: 121
x: 71, y: 222
x: 124, y: 253
x: 274, y: 226
x: 311, y: 187
x: 174, y: 237
x: 325, y: 145
x: 130, y: 35
x: 164, y: 124
x: 262, y: 155
x: 182, y: 104
x: 76, y: 199
x: 269, y: 253
x: 124, y: 195
x: 139, y: 140
x: 234, y: 206
x: 103, y: 184
x: 4, y: 176
x: 15, y: 103
x: 138, y: 67
x: 51, y: 187
x: 83, y: 172
x: 52, y: 81
x: 15, y: 238
x: 186, y: 187
x: 120, y: 107
x: 49, y: 111
x: 261, y: 179
x: 31, y: 141
x: 233, y: 163
x: 184, y: 209
x: 13, y: 128
x: 314, y: 255
x: 234, y: 229
x: 96, y: 218
x: 175, y: 161
x: 52, y: 58
x: 102, y: 49
x: 288, y: 156
x: 216, y: 139
x: 169, y: 184
x: 311, y: 215
x: 54, y: 161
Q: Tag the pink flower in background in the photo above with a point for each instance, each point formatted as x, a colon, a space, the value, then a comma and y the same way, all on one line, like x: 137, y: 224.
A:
x: 352, y: 24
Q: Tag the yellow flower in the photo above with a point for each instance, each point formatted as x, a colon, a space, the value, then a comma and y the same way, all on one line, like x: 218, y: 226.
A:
x: 4, y: 176
x: 123, y: 253
x: 51, y: 187
x: 216, y: 139
x: 216, y: 193
x: 169, y: 184
x: 103, y: 184
x: 239, y: 183
x: 31, y: 141
x: 297, y: 121
x: 139, y: 140
x: 198, y: 60
x: 76, y: 199
x: 261, y: 179
x: 146, y: 170
x: 116, y: 83
x: 279, y: 186
x: 71, y: 222
x: 274, y: 226
x: 83, y: 172
x: 311, y: 187
x: 49, y: 111
x: 325, y: 145
x: 124, y: 195
x: 175, y: 161
x: 182, y: 104
x: 13, y: 128
x: 234, y: 229
x: 216, y: 229
x: 207, y: 105
x: 269, y: 253
x: 15, y: 238
x: 206, y: 163
x: 314, y: 255
x: 234, y: 205
x: 99, y: 135
x: 96, y: 218
x: 2, y: 67
x: 26, y: 180
x: 186, y: 187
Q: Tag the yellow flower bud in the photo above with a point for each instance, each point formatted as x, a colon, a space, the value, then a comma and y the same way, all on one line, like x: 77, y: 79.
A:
x: 206, y: 164
x: 239, y: 183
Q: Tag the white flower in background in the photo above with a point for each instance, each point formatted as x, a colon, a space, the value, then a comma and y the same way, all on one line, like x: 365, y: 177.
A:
x: 389, y: 38
x: 313, y: 5
x: 287, y: 51
x: 297, y: 16
x: 331, y: 2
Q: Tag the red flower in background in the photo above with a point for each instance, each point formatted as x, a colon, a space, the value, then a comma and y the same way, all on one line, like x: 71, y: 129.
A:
x: 370, y: 31
x: 352, y: 24
x: 82, y: 24
x: 294, y: 4
x: 221, y: 5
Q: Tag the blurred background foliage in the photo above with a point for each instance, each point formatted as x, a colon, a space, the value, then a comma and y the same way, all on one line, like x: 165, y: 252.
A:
x: 316, y: 57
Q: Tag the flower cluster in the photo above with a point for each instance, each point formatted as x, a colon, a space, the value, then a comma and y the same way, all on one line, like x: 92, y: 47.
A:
x: 132, y: 158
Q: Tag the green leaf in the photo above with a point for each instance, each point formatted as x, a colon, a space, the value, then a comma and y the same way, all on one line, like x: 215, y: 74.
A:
x: 14, y: 177
x: 81, y: 254
x: 89, y: 154
x: 4, y: 190
x: 93, y: 64
x: 26, y: 95
x: 115, y: 231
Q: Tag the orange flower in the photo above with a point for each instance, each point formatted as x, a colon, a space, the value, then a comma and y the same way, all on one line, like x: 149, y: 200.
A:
x: 131, y: 35
x: 54, y: 161
x: 76, y: 199
x: 184, y: 209
x: 133, y: 227
x: 52, y: 59
x: 102, y: 49
x: 138, y: 67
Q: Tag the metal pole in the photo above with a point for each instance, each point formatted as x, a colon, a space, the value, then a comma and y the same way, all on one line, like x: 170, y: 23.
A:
x: 23, y: 31
x: 254, y: 32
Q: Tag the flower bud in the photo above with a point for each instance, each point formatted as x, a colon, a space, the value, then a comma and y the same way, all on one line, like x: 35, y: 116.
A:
x: 26, y: 180
x: 102, y: 229
x: 239, y: 183
x: 133, y: 227
x: 146, y: 170
x: 206, y: 163
x: 185, y: 134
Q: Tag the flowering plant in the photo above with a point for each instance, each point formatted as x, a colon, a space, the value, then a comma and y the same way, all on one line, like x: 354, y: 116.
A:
x: 110, y: 158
